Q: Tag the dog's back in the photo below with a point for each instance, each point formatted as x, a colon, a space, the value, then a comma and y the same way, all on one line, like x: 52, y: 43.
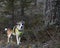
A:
x: 9, y: 32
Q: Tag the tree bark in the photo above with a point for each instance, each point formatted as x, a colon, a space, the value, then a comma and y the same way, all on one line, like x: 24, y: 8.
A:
x: 22, y: 9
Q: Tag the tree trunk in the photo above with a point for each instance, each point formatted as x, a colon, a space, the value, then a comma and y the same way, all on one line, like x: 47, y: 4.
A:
x: 35, y: 2
x: 22, y: 10
x: 13, y: 19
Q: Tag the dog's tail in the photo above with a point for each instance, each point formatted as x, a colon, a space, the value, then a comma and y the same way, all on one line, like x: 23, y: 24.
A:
x: 5, y: 29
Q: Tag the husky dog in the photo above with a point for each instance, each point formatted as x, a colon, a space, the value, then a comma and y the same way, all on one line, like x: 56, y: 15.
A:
x: 17, y: 30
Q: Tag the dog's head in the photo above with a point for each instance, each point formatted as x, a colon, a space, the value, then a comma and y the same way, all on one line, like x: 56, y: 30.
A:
x: 20, y: 25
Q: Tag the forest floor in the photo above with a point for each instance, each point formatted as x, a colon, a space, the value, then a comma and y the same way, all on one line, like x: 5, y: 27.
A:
x: 12, y: 44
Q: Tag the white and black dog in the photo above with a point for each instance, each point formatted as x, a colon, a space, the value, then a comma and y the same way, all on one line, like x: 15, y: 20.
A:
x: 15, y: 31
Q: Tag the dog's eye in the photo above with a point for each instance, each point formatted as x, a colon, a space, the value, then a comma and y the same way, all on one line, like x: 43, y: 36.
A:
x: 22, y: 24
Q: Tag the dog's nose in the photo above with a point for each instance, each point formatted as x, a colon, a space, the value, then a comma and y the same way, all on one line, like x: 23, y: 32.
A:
x: 21, y: 27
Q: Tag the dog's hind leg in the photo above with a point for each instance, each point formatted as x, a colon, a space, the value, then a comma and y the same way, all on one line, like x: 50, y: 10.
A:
x: 9, y: 37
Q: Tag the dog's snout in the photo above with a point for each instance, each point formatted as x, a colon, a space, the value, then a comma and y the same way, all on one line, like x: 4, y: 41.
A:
x: 21, y: 26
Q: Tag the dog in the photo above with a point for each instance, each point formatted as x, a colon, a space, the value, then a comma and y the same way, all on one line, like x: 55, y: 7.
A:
x: 17, y: 31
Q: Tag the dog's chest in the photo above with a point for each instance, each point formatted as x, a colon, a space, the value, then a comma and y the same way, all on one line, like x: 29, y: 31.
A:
x: 16, y: 31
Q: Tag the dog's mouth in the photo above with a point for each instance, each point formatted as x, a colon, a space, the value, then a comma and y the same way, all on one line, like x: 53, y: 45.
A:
x: 20, y: 30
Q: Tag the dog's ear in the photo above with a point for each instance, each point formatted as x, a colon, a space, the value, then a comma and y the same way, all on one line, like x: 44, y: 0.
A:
x: 21, y: 22
x: 24, y: 22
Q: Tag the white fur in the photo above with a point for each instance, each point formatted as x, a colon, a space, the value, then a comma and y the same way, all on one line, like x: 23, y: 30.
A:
x: 17, y: 34
x: 5, y: 29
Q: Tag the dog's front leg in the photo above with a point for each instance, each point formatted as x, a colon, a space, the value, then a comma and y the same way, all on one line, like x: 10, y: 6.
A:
x: 17, y: 38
